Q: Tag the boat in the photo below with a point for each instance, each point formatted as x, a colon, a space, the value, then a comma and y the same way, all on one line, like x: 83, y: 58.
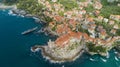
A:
x: 29, y: 31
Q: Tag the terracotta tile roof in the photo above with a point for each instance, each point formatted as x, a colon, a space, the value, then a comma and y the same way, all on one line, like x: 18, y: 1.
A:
x: 91, y: 39
x: 91, y: 29
x: 85, y: 35
x: 62, y: 39
x: 80, y: 15
x: 72, y: 22
x: 115, y: 17
x: 111, y: 22
x: 81, y: 7
x: 85, y: 4
x: 84, y: 11
x: 93, y: 25
x: 100, y: 27
x: 90, y: 19
x: 113, y: 31
x: 97, y: 5
x: 51, y: 23
x: 65, y: 38
x: 103, y: 42
x: 103, y: 32
x: 116, y: 26
x: 58, y: 18
x: 100, y: 18
x: 97, y: 12
x: 60, y: 29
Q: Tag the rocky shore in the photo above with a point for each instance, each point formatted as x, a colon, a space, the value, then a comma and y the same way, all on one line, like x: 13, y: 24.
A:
x: 14, y: 10
x: 59, y: 55
x: 2, y: 6
x: 82, y: 26
x: 25, y: 14
x: 45, y: 29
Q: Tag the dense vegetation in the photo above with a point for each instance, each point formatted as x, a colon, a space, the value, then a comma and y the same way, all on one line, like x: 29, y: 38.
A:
x: 106, y: 26
x: 118, y: 32
x: 9, y: 2
x: 67, y: 4
x: 89, y: 8
x: 107, y: 10
x: 34, y: 8
x: 110, y: 8
x: 93, y: 48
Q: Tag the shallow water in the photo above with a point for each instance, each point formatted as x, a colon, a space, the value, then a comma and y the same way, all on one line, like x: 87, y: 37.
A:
x: 15, y: 48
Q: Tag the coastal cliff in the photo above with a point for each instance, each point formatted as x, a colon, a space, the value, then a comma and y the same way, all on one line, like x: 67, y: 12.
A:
x: 92, y: 26
x: 66, y: 50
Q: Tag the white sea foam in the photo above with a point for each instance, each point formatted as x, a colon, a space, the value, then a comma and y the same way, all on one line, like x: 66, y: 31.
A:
x: 115, y: 52
x: 32, y: 50
x: 63, y: 66
x: 108, y: 55
x: 104, y: 60
x: 116, y: 58
x: 21, y: 15
x: 37, y: 49
x: 35, y: 18
x: 11, y: 13
x: 92, y: 59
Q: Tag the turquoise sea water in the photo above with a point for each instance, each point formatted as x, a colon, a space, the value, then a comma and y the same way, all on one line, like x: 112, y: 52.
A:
x: 15, y: 48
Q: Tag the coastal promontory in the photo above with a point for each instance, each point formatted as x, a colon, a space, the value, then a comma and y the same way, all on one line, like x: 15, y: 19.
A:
x: 91, y: 26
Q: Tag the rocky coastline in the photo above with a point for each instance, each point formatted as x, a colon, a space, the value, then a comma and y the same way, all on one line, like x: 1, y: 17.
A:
x: 15, y: 11
x: 55, y: 59
x: 3, y: 6
x: 45, y: 29
x: 25, y: 14
x: 60, y: 55
x: 80, y: 28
